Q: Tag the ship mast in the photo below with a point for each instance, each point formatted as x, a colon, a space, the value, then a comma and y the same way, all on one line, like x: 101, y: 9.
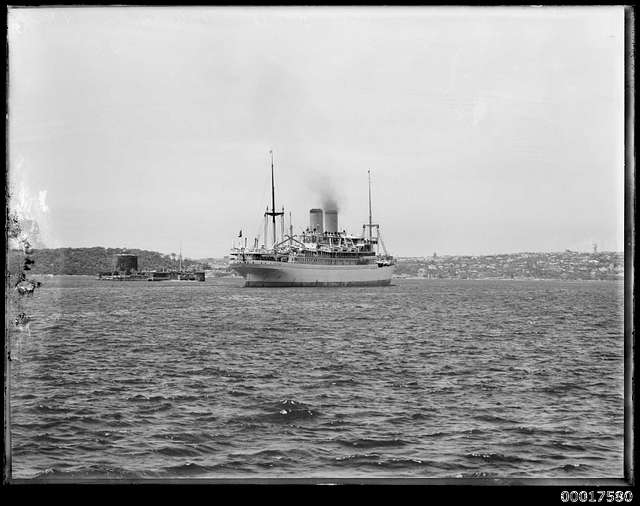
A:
x: 273, y: 200
x: 273, y: 212
x: 370, y: 223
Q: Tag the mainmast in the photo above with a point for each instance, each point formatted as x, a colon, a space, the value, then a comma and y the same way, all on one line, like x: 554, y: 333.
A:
x: 370, y: 223
x: 273, y: 200
x: 273, y: 212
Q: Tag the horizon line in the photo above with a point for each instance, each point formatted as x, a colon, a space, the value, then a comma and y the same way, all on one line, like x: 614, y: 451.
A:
x: 437, y: 255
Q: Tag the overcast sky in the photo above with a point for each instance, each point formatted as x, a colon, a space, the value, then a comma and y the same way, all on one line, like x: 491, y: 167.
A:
x: 486, y: 130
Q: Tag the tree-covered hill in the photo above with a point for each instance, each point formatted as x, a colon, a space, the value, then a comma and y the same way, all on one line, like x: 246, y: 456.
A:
x: 91, y: 261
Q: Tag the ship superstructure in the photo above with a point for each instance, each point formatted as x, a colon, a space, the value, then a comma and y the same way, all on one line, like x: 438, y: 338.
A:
x: 320, y: 255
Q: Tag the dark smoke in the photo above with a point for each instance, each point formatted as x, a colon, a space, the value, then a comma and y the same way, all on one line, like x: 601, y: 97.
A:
x: 329, y: 203
x: 326, y: 191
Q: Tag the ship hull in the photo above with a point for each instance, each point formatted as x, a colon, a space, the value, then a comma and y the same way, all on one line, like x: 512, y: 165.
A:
x: 282, y: 274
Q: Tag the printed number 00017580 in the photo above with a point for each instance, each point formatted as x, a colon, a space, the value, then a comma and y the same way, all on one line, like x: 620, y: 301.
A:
x: 596, y: 496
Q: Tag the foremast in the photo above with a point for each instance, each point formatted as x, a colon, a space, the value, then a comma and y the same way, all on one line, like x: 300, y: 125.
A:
x: 273, y: 213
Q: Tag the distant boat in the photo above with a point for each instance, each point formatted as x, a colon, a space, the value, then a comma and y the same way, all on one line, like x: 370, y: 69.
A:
x: 320, y: 256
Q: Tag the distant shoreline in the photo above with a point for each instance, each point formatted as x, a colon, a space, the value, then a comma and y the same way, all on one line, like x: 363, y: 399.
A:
x: 416, y: 278
x: 504, y: 279
x: 567, y: 265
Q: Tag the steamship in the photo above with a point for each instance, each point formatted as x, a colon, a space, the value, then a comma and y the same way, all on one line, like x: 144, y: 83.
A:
x: 320, y: 255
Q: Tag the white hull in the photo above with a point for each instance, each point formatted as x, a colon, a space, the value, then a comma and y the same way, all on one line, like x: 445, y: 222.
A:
x: 265, y: 273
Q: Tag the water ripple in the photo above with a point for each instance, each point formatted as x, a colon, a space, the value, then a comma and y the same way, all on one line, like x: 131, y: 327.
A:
x: 422, y: 378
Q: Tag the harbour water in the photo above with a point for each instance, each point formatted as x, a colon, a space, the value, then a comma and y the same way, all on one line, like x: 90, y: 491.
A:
x: 424, y: 378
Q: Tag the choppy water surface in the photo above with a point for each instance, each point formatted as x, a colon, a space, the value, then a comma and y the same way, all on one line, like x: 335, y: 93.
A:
x: 423, y: 378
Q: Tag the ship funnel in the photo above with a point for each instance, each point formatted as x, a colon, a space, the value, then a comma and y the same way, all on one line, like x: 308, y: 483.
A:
x: 331, y: 221
x: 315, y: 220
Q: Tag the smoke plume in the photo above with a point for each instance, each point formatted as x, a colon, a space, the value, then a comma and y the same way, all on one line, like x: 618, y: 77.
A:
x: 326, y: 191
